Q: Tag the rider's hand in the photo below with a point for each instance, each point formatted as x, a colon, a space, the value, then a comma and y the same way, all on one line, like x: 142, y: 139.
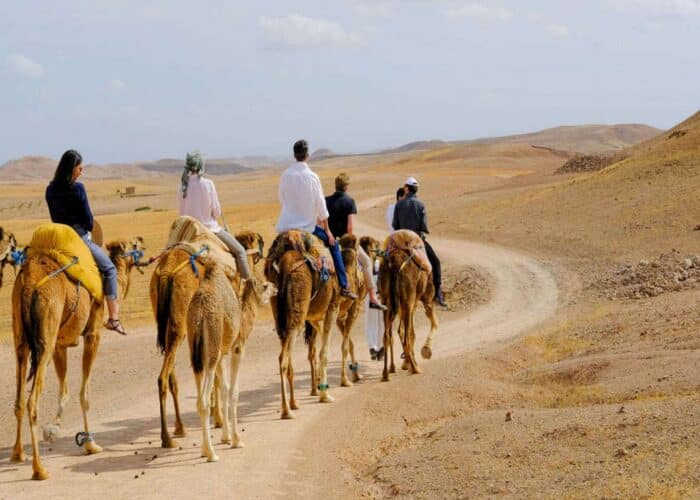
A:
x: 331, y: 239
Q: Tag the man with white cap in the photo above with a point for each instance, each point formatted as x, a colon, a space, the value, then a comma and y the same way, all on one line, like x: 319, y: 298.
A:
x: 409, y: 213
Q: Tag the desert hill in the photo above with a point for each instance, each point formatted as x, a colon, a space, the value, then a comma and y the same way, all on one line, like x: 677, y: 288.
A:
x: 575, y: 138
x: 322, y: 154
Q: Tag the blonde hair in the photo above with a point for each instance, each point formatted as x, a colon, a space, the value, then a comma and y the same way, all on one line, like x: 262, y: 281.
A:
x: 342, y: 181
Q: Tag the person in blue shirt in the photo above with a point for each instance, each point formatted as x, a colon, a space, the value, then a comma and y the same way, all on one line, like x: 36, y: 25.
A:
x: 68, y: 204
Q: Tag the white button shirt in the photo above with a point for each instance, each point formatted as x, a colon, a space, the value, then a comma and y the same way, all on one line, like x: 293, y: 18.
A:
x: 301, y: 196
x: 202, y: 202
x: 389, y: 217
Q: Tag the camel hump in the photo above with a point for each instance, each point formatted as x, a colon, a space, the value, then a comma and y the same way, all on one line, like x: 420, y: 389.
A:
x: 306, y: 244
x: 188, y: 233
x: 408, y: 242
x: 62, y: 244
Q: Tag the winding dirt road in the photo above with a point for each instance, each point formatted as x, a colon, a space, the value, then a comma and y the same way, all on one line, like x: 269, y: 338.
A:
x: 125, y: 419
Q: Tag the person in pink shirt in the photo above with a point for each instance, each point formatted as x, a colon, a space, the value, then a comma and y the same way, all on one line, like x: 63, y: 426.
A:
x: 199, y: 200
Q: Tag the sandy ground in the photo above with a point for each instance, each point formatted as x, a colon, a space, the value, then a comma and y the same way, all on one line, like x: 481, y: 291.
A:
x: 277, y: 453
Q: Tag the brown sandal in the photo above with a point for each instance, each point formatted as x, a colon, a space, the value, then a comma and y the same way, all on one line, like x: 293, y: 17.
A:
x: 115, y: 325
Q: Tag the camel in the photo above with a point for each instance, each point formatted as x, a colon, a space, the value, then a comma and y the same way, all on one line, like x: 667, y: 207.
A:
x: 305, y: 299
x: 219, y: 324
x: 349, y: 309
x: 173, y: 283
x: 7, y: 247
x: 405, y: 278
x: 50, y: 313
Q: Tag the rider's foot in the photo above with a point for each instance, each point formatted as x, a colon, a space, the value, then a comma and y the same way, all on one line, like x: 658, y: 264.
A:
x: 377, y: 305
x: 115, y: 325
x: 440, y: 299
x: 373, y: 353
x: 346, y: 292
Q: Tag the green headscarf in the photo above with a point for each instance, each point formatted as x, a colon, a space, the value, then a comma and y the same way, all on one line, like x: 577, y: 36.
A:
x: 194, y: 164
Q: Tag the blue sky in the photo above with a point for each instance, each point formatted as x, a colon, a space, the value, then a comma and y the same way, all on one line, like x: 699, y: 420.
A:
x: 136, y: 80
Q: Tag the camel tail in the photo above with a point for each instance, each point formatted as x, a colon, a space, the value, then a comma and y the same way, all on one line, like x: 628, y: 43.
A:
x: 394, y: 292
x: 197, y: 353
x: 165, y: 289
x: 31, y: 318
x: 281, y: 320
x: 308, y: 333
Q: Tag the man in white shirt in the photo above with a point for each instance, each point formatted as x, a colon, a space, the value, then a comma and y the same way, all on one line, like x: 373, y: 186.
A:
x: 304, y: 208
x: 389, y: 216
x: 199, y: 200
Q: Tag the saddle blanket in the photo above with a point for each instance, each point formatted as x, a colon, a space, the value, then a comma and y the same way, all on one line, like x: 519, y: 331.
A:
x: 61, y: 243
x: 191, y: 234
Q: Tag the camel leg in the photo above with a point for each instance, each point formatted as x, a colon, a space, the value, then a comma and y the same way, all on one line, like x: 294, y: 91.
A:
x: 356, y: 377
x: 22, y: 363
x: 172, y: 384
x: 60, y: 362
x: 237, y: 352
x: 344, y: 382
x: 203, y: 408
x: 163, y: 382
x: 388, y: 347
x: 91, y: 343
x: 324, y: 397
x: 39, y: 472
x: 222, y: 399
x: 427, y: 350
x: 313, y: 365
x: 409, y: 340
x: 290, y: 374
x: 284, y: 366
x: 216, y: 403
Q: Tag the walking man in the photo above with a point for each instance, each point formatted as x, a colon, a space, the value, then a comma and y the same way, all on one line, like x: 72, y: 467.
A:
x: 304, y: 208
x: 410, y: 214
x: 341, y: 209
x: 389, y: 216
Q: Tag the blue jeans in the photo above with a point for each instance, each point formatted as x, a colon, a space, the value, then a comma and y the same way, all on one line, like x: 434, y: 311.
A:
x: 106, y: 267
x: 337, y: 257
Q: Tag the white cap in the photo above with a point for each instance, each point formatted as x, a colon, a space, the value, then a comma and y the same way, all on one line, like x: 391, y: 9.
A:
x: 411, y: 181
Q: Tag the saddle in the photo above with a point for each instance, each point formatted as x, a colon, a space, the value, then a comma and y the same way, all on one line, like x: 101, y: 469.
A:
x: 409, y: 242
x: 62, y: 244
x: 316, y: 255
x: 190, y: 235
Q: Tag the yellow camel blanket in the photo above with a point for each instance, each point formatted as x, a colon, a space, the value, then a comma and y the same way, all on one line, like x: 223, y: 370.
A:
x: 61, y: 243
x: 188, y: 232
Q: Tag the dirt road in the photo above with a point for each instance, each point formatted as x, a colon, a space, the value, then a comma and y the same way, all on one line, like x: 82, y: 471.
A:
x: 124, y: 412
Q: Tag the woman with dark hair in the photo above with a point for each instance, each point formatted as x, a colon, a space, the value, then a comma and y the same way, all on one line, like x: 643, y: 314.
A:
x: 68, y: 204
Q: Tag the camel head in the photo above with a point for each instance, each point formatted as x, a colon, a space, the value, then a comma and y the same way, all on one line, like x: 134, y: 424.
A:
x: 253, y: 243
x: 8, y: 249
x: 371, y: 246
x: 126, y: 255
x: 259, y: 290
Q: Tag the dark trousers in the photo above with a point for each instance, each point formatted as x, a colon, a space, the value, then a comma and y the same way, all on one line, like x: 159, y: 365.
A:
x: 437, y: 270
x: 337, y: 257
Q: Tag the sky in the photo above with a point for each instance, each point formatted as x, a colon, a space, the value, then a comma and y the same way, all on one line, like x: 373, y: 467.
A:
x: 127, y: 80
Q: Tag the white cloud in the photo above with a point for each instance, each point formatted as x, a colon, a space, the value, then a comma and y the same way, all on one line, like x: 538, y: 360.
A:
x: 297, y: 31
x: 22, y: 65
x: 658, y: 7
x: 375, y: 9
x: 117, y: 86
x: 482, y: 12
x: 558, y: 30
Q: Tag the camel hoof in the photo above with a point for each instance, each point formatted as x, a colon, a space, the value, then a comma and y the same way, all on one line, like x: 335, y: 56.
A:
x: 40, y: 475
x: 325, y: 398
x: 168, y: 443
x: 416, y: 371
x: 237, y: 443
x: 346, y: 383
x: 212, y: 458
x: 51, y: 432
x: 385, y: 377
x: 225, y: 440
x: 404, y: 365
x: 314, y: 392
x: 356, y: 377
x: 293, y: 405
x: 392, y: 369
x: 287, y: 415
x: 426, y: 352
x: 217, y: 425
x: 18, y: 457
x: 92, y: 448
x: 180, y: 432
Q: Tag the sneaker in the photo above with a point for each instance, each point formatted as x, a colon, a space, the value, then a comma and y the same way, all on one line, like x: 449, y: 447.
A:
x: 346, y: 292
x: 380, y: 354
x: 372, y: 353
x: 377, y: 305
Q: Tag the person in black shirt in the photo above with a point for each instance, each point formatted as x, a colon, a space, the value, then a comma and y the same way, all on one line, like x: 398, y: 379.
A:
x: 341, y: 208
x: 68, y: 204
x: 409, y: 213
